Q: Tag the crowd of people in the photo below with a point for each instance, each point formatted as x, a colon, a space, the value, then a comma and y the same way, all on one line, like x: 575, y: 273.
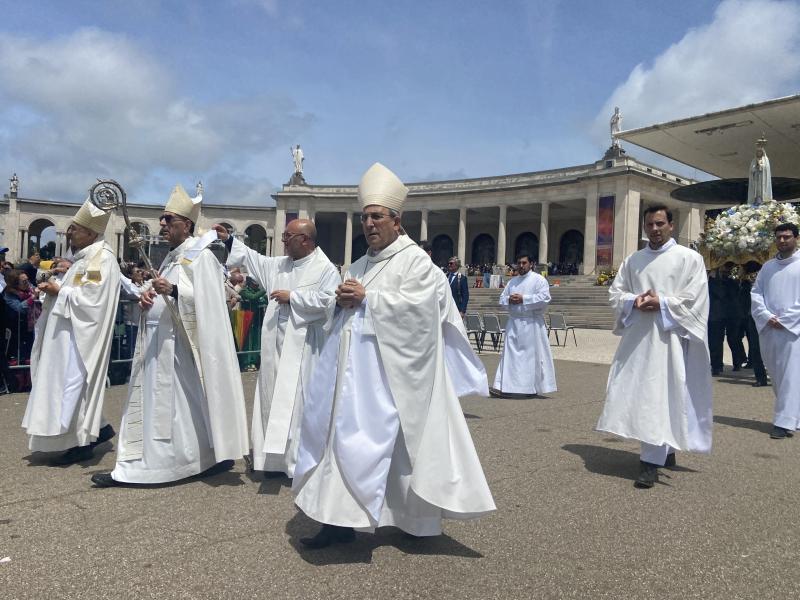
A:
x: 357, y: 397
x: 22, y: 305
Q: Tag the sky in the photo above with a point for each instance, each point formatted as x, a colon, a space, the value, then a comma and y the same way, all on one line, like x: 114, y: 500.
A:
x: 153, y: 93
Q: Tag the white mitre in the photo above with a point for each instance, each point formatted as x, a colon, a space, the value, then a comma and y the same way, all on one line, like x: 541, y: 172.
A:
x: 382, y: 187
x: 91, y: 217
x: 181, y: 204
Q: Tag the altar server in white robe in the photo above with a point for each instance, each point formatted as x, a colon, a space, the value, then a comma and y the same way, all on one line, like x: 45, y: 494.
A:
x: 72, y: 346
x: 384, y: 440
x: 659, y: 385
x: 526, y: 364
x: 776, y: 312
x: 185, y: 410
x: 301, y: 287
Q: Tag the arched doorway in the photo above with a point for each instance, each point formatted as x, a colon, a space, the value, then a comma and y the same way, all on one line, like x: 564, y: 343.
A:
x: 527, y: 243
x: 41, y: 239
x: 570, y: 250
x: 256, y: 238
x: 359, y: 247
x: 442, y: 249
x: 131, y: 254
x: 483, y: 250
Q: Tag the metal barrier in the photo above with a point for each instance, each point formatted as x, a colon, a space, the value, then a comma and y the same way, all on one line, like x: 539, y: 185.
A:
x: 18, y: 342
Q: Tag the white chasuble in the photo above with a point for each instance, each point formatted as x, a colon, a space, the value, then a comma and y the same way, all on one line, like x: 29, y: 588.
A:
x: 185, y: 409
x: 659, y: 385
x: 70, y: 354
x: 384, y: 440
x: 776, y: 293
x: 526, y: 363
x: 292, y: 336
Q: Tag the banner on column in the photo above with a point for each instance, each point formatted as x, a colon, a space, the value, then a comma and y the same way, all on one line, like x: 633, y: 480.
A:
x: 605, y: 231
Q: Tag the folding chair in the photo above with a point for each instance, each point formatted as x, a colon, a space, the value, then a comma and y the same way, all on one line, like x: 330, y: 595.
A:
x: 503, y: 318
x: 491, y: 325
x: 475, y: 328
x: 559, y: 323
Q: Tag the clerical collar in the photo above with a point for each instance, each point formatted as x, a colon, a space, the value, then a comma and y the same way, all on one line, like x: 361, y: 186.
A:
x: 792, y: 255
x: 667, y: 245
x: 301, y: 261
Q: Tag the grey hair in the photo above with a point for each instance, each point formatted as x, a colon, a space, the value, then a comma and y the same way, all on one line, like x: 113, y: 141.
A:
x: 456, y: 260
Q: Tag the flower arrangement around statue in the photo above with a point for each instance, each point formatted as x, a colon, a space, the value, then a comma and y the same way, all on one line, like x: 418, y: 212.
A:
x: 606, y: 277
x: 744, y: 233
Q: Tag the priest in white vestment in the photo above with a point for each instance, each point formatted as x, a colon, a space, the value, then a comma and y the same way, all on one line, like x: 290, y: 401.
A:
x: 526, y: 363
x: 301, y: 287
x: 659, y: 385
x: 185, y: 411
x: 776, y: 312
x: 72, y: 346
x: 384, y: 440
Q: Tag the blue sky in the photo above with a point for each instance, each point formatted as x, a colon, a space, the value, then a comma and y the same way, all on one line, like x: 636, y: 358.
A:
x: 153, y: 93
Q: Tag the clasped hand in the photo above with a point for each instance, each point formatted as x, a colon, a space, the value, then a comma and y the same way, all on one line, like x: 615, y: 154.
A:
x: 350, y: 294
x: 648, y: 301
x: 774, y: 323
x: 160, y: 286
x: 515, y: 299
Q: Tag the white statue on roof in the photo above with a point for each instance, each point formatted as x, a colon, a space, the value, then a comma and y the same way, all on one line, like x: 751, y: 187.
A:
x: 616, y: 126
x: 759, y: 185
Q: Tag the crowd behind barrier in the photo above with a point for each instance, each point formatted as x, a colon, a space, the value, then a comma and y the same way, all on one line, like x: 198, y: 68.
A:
x: 20, y: 307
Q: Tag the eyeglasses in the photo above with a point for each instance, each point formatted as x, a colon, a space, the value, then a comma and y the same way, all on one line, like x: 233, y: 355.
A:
x: 376, y: 217
x: 285, y: 237
x: 170, y: 218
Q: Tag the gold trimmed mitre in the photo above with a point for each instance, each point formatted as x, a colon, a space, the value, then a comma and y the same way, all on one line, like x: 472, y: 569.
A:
x: 181, y: 204
x: 382, y: 187
x: 91, y: 217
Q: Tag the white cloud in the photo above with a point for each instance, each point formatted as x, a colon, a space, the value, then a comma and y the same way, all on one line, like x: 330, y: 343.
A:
x: 93, y: 104
x: 748, y: 53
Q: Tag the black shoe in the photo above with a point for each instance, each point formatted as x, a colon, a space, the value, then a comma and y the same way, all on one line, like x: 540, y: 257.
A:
x: 105, y: 434
x: 761, y: 383
x: 670, y: 462
x: 716, y: 372
x: 648, y: 475
x: 778, y: 433
x: 74, y: 455
x: 274, y: 474
x: 328, y: 535
x: 737, y: 367
x: 104, y: 480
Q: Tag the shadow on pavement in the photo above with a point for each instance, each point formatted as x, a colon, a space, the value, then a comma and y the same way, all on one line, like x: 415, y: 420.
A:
x: 737, y: 380
x: 270, y: 486
x: 361, y: 550
x: 760, y: 426
x: 45, y: 459
x: 617, y: 463
x: 606, y: 461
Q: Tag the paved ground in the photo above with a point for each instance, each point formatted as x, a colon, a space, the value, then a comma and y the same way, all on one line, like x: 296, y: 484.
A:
x: 569, y: 522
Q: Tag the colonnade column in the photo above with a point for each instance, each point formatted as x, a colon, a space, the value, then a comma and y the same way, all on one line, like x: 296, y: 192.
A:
x: 348, y: 239
x: 24, y: 246
x: 590, y: 233
x: 543, y: 226
x: 500, y: 257
x: 280, y: 224
x: 423, y: 225
x: 462, y: 235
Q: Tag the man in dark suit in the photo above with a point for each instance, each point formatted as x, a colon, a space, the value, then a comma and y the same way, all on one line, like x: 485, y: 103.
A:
x: 459, y: 285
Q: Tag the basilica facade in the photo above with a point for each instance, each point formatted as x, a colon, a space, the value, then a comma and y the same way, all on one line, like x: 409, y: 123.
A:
x: 586, y: 217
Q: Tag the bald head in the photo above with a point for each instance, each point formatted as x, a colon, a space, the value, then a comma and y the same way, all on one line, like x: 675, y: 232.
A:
x: 299, y: 238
